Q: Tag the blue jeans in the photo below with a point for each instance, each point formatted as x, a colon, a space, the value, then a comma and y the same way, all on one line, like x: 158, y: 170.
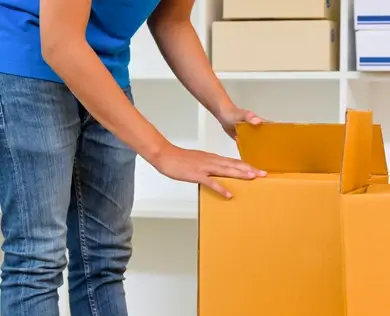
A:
x: 65, y: 183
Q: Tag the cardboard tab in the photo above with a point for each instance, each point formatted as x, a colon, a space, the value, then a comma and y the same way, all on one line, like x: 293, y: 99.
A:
x: 301, y: 148
x: 355, y: 170
x: 378, y: 155
x: 291, y: 148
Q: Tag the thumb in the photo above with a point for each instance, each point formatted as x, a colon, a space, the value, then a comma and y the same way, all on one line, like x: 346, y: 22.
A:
x: 252, y: 118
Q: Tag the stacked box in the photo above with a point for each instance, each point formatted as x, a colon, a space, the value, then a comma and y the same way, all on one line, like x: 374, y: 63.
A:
x: 278, y: 35
x: 372, y: 27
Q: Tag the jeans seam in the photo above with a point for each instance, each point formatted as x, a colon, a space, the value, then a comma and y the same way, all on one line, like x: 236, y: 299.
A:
x: 88, y: 119
x: 83, y: 244
x: 17, y: 183
x: 2, y: 120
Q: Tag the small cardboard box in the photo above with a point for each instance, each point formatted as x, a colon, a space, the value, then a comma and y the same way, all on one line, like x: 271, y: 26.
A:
x: 372, y: 14
x: 281, y: 9
x: 366, y: 224
x: 373, y: 50
x: 275, y: 249
x: 275, y: 46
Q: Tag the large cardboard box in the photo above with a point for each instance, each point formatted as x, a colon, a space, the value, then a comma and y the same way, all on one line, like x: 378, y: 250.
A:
x: 281, y: 9
x: 372, y: 14
x: 275, y: 249
x: 373, y: 50
x: 275, y: 46
x: 366, y: 224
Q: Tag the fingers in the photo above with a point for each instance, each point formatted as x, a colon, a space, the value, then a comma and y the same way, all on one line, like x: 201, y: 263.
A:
x: 252, y: 118
x: 222, y: 171
x: 215, y: 186
x: 209, y: 164
x: 239, y: 165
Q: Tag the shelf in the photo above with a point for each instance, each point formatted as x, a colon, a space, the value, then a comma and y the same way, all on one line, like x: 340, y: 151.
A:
x: 275, y: 76
x: 369, y: 76
x: 153, y: 77
x: 172, y: 209
x: 248, y: 76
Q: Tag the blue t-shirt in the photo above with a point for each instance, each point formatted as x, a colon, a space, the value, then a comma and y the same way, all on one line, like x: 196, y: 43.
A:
x: 111, y: 26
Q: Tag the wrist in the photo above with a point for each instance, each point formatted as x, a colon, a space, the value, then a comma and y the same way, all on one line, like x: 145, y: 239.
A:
x: 223, y: 109
x: 157, y: 151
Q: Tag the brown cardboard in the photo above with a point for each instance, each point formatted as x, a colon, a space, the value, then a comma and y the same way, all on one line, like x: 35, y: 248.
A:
x: 275, y: 46
x: 281, y: 9
x: 275, y: 249
x: 366, y: 225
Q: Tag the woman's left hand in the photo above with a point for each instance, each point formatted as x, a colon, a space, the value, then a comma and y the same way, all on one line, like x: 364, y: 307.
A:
x: 232, y: 115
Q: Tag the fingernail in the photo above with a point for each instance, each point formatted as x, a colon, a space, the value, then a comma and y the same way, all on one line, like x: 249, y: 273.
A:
x: 262, y: 173
x: 229, y: 195
x: 255, y: 120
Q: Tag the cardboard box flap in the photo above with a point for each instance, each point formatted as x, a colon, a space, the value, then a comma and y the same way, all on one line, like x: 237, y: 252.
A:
x: 301, y: 148
x: 378, y: 165
x: 355, y: 170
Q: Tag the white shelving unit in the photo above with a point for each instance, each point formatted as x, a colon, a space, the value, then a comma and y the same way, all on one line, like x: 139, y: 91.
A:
x: 279, y: 96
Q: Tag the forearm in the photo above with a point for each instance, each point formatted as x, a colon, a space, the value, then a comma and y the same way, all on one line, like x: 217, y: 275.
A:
x: 63, y: 25
x: 85, y: 75
x: 181, y: 48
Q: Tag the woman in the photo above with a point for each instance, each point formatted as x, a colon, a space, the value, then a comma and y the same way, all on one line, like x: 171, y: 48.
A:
x: 69, y: 135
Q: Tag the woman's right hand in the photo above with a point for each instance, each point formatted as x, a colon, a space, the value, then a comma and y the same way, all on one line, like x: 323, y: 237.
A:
x: 197, y: 166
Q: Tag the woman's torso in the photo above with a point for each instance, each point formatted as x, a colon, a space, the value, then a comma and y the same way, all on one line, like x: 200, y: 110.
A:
x: 111, y: 26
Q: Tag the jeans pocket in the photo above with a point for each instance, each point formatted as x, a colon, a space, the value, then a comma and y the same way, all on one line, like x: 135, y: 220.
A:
x: 89, y: 118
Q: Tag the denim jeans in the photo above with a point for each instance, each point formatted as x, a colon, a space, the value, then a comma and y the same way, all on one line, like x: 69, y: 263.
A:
x: 65, y: 183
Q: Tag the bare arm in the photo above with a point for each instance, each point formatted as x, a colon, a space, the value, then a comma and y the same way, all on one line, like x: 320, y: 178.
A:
x: 178, y: 42
x: 65, y: 49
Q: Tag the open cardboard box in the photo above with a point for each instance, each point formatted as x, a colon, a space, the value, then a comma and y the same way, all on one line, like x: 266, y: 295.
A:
x: 275, y: 249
